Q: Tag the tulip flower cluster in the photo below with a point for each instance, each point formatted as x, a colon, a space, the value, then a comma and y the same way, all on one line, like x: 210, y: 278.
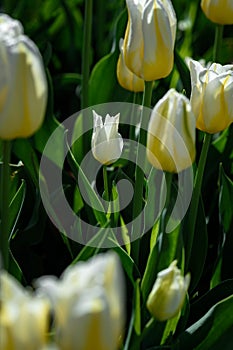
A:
x: 169, y: 124
x: 87, y: 303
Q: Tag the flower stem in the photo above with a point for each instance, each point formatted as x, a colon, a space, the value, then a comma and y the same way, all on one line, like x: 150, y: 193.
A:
x: 139, y: 175
x: 105, y: 177
x: 217, y: 42
x: 86, y: 48
x: 86, y: 52
x: 202, y: 161
x: 5, y: 189
x: 196, y: 195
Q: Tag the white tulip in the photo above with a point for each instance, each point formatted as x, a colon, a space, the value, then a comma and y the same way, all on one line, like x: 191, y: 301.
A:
x: 168, y: 293
x: 23, y: 84
x: 150, y: 38
x: 88, y: 302
x: 106, y: 143
x: 211, y: 97
x: 24, y: 317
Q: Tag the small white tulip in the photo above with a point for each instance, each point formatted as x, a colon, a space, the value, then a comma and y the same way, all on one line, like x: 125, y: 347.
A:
x: 106, y: 143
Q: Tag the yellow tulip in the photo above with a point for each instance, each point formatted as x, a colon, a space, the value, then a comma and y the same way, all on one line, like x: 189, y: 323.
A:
x: 168, y: 293
x: 127, y: 79
x: 150, y: 38
x: 24, y: 317
x: 171, y: 133
x: 106, y: 143
x: 23, y: 85
x: 88, y: 302
x: 218, y: 11
x: 211, y: 97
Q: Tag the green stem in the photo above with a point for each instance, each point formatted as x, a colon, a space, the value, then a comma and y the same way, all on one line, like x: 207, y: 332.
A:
x: 105, y: 177
x: 166, y: 212
x: 86, y: 52
x: 202, y: 161
x: 5, y: 190
x: 139, y: 175
x: 86, y: 48
x: 196, y: 195
x: 217, y: 42
x: 132, y: 122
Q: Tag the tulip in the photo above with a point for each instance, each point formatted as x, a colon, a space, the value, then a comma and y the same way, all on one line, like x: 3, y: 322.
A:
x: 150, y: 38
x: 171, y: 133
x: 168, y: 293
x: 24, y: 317
x: 211, y: 96
x: 88, y: 302
x: 218, y: 11
x: 127, y: 79
x: 106, y: 143
x: 23, y: 85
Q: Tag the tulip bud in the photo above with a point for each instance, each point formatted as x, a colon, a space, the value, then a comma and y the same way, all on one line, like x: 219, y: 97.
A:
x: 211, y: 96
x: 24, y: 318
x: 171, y: 133
x: 150, y: 38
x: 23, y: 85
x: 218, y: 11
x: 106, y: 143
x: 168, y: 293
x: 127, y: 79
x: 88, y: 302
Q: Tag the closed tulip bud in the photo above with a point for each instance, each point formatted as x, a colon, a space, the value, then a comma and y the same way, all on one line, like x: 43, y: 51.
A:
x: 168, y: 293
x: 24, y: 317
x: 218, y: 11
x: 106, y: 143
x: 127, y: 79
x: 88, y: 302
x: 23, y: 85
x: 211, y: 97
x: 171, y: 133
x: 150, y: 38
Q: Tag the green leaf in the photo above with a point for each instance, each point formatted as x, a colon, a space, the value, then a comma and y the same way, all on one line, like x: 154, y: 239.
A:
x: 93, y: 246
x: 24, y: 151
x: 78, y: 202
x: 91, y: 194
x: 127, y: 262
x: 184, y: 72
x: 15, y: 270
x: 168, y: 247
x: 222, y: 291
x: 137, y: 308
x: 199, y: 248
x: 225, y: 200
x: 212, y: 331
x: 16, y: 205
x: 103, y: 84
